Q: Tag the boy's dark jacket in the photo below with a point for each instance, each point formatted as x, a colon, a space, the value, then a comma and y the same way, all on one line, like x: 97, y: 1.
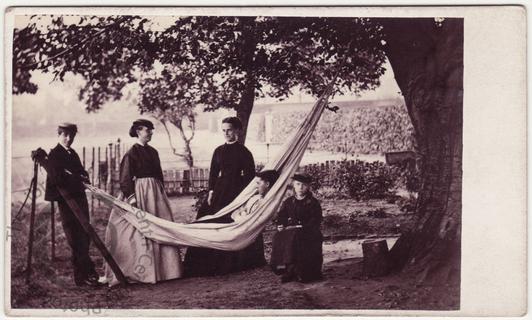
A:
x: 60, y: 159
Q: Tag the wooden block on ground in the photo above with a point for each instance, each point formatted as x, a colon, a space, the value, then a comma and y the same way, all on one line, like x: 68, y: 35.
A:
x: 375, y: 258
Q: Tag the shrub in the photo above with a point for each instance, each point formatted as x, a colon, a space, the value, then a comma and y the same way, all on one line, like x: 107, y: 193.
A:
x: 357, y: 180
x: 201, y: 200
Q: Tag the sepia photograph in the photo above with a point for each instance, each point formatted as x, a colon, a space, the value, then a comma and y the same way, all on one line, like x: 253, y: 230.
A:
x: 234, y: 161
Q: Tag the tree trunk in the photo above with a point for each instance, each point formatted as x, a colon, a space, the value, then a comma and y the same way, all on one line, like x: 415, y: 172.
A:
x: 249, y: 43
x: 187, y: 156
x: 427, y: 60
x: 244, y: 109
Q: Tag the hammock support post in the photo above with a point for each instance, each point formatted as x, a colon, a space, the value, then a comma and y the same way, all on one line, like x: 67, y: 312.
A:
x: 32, y: 221
x: 41, y: 157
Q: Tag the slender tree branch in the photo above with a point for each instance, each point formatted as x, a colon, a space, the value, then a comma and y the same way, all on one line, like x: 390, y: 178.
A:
x: 174, y: 150
x: 192, y: 126
x: 77, y: 45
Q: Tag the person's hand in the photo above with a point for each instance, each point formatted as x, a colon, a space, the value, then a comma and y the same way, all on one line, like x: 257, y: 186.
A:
x: 132, y: 200
x: 280, y: 228
x: 85, y: 179
x: 209, y: 198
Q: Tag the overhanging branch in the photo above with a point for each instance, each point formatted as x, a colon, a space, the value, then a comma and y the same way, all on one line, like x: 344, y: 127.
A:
x: 77, y: 45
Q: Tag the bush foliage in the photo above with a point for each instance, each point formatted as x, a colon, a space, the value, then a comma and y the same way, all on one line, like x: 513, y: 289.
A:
x: 361, y: 180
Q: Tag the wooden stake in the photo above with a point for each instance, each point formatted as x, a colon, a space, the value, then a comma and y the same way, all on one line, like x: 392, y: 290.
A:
x: 32, y: 221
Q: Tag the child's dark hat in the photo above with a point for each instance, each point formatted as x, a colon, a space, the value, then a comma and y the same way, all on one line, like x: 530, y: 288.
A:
x: 301, y: 177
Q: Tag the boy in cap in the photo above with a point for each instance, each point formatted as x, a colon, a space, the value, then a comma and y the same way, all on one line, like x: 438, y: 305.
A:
x: 297, y: 246
x: 67, y: 172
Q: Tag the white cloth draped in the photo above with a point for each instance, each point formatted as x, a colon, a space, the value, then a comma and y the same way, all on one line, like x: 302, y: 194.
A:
x: 239, y: 234
x: 139, y: 258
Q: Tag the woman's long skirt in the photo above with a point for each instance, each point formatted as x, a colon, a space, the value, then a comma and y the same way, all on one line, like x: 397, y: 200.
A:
x: 210, y: 262
x: 141, y: 259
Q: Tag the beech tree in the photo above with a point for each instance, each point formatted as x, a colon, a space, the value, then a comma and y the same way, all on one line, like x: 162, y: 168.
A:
x: 427, y: 59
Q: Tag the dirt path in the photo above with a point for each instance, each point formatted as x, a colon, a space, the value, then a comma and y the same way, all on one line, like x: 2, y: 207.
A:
x: 343, y: 286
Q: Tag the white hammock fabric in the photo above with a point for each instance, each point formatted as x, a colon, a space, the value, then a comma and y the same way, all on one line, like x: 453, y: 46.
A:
x: 239, y: 234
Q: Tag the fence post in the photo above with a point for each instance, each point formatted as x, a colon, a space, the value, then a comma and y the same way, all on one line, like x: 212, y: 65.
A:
x: 193, y: 178
x: 110, y: 170
x: 99, y: 173
x: 83, y: 157
x: 190, y: 179
x: 202, y: 178
x: 186, y: 181
x: 179, y: 179
x: 118, y: 154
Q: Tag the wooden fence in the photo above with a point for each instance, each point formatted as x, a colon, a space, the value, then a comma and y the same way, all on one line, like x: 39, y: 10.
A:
x: 104, y: 167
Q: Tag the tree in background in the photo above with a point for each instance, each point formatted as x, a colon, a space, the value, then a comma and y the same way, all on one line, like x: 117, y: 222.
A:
x: 171, y: 96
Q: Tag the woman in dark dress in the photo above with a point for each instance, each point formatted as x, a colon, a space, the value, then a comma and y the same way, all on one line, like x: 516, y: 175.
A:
x: 232, y: 169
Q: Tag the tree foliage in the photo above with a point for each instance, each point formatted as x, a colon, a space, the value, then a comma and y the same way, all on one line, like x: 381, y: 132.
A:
x: 236, y: 59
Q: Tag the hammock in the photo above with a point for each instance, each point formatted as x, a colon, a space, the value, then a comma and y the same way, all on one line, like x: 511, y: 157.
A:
x: 235, y: 235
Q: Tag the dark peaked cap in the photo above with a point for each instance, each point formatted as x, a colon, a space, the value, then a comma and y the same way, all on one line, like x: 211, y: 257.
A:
x: 301, y: 177
x: 68, y: 126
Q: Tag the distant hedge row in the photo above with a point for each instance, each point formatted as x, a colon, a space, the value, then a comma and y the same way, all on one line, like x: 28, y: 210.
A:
x: 364, y: 129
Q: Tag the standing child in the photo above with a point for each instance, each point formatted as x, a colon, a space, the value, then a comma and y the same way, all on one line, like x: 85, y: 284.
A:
x: 67, y: 172
x: 297, y: 246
